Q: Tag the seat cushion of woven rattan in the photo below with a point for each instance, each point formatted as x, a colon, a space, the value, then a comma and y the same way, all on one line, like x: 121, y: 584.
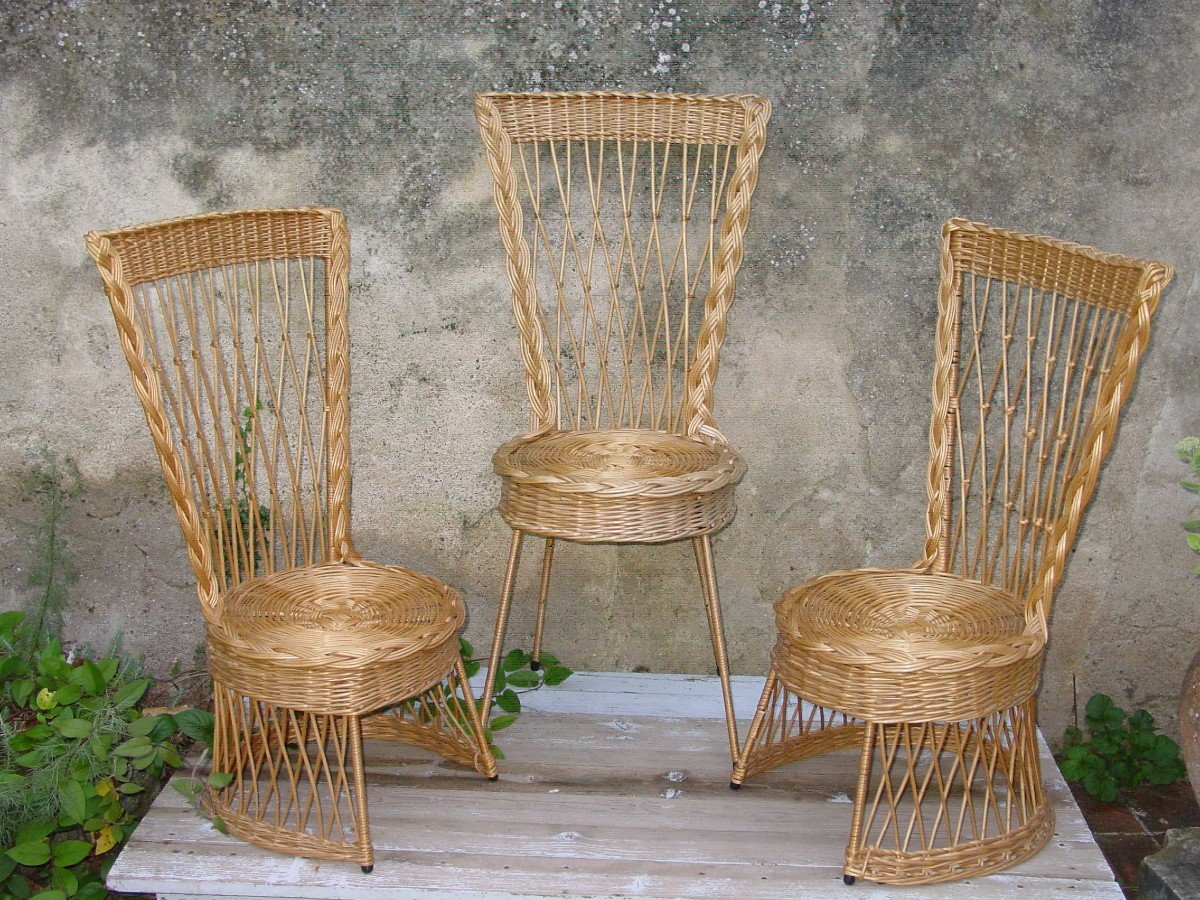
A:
x: 621, y: 462
x: 340, y: 614
x: 903, y: 618
x: 901, y: 645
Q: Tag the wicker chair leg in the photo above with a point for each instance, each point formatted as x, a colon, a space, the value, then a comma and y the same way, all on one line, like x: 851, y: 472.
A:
x: 712, y: 604
x: 304, y: 797
x: 543, y: 592
x: 444, y: 720
x: 359, y: 799
x: 506, y: 595
x: 952, y: 800
x: 787, y: 728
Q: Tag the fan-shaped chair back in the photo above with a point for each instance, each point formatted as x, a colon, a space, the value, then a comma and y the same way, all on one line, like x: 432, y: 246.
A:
x: 622, y: 218
x: 235, y: 329
x: 1038, y: 348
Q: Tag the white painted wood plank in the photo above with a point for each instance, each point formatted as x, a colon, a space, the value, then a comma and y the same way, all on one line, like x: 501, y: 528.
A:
x: 579, y: 810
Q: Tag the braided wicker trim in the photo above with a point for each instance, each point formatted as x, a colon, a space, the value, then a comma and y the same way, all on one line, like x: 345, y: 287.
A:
x: 906, y: 620
x: 619, y: 463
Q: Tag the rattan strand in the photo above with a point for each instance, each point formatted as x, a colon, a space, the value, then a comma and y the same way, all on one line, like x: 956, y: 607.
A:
x: 622, y: 217
x: 242, y: 370
x: 1038, y: 343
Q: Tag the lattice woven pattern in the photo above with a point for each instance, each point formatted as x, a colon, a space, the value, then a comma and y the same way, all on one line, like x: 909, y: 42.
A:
x: 235, y: 329
x: 1038, y: 344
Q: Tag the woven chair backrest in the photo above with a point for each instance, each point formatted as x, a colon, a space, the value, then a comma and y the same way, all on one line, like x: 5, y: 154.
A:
x: 622, y: 218
x: 234, y: 326
x: 1038, y: 344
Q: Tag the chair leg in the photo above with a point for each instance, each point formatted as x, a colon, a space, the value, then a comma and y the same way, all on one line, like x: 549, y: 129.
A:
x: 510, y: 582
x: 297, y: 782
x: 951, y: 800
x: 738, y: 778
x: 786, y: 728
x: 359, y: 795
x: 712, y: 603
x: 543, y: 592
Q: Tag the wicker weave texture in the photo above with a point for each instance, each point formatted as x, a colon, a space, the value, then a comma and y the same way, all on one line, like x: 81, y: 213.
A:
x: 235, y: 329
x: 935, y: 668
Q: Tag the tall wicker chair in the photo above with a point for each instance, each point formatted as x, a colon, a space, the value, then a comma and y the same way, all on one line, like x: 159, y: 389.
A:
x: 235, y: 329
x: 622, y: 217
x: 932, y: 670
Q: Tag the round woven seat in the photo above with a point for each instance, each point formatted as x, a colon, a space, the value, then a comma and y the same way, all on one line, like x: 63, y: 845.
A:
x: 617, y: 485
x: 905, y: 645
x: 337, y: 637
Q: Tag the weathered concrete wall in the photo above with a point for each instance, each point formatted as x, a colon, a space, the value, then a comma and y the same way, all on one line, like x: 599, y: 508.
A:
x: 1071, y: 118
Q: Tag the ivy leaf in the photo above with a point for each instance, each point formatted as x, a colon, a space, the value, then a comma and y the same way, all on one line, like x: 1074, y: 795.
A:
x: 72, y: 728
x: 10, y: 620
x: 74, y: 803
x: 501, y: 722
x: 515, y: 659
x: 524, y: 678
x: 135, y: 746
x: 7, y: 864
x: 88, y: 677
x: 49, y: 895
x: 105, y: 840
x: 196, y: 724
x: 31, y: 853
x: 557, y: 674
x: 67, y: 853
x: 68, y: 694
x: 220, y: 780
x: 108, y: 668
x: 130, y: 694
x: 509, y: 702
x: 34, y: 831
x: 465, y: 650
x: 64, y: 879
x: 548, y: 659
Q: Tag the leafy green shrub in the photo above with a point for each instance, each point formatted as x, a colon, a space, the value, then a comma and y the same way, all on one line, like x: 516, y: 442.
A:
x: 1119, y: 752
x: 75, y: 753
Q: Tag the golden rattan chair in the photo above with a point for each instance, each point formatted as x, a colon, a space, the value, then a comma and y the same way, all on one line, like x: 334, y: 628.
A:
x: 932, y: 671
x: 622, y: 218
x: 235, y: 329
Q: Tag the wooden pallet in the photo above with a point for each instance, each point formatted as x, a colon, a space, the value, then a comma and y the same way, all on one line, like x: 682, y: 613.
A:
x: 615, y: 785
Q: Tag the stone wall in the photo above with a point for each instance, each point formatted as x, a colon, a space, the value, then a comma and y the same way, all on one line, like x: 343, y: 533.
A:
x: 1075, y: 118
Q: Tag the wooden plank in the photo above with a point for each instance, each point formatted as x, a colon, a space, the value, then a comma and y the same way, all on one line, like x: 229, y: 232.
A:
x: 627, y: 800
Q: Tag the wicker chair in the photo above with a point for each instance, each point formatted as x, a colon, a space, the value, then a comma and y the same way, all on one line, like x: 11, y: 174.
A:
x: 932, y: 671
x: 234, y: 326
x: 622, y: 217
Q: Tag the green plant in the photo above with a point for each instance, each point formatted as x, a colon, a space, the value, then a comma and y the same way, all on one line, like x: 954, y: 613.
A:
x: 54, y: 485
x: 75, y: 754
x: 515, y: 677
x: 1189, y: 451
x: 1119, y: 752
x: 237, y: 512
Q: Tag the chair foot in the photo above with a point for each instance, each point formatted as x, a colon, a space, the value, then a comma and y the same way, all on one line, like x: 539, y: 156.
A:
x: 535, y: 665
x: 848, y: 879
x: 735, y: 785
x: 495, y: 777
x: 367, y: 870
